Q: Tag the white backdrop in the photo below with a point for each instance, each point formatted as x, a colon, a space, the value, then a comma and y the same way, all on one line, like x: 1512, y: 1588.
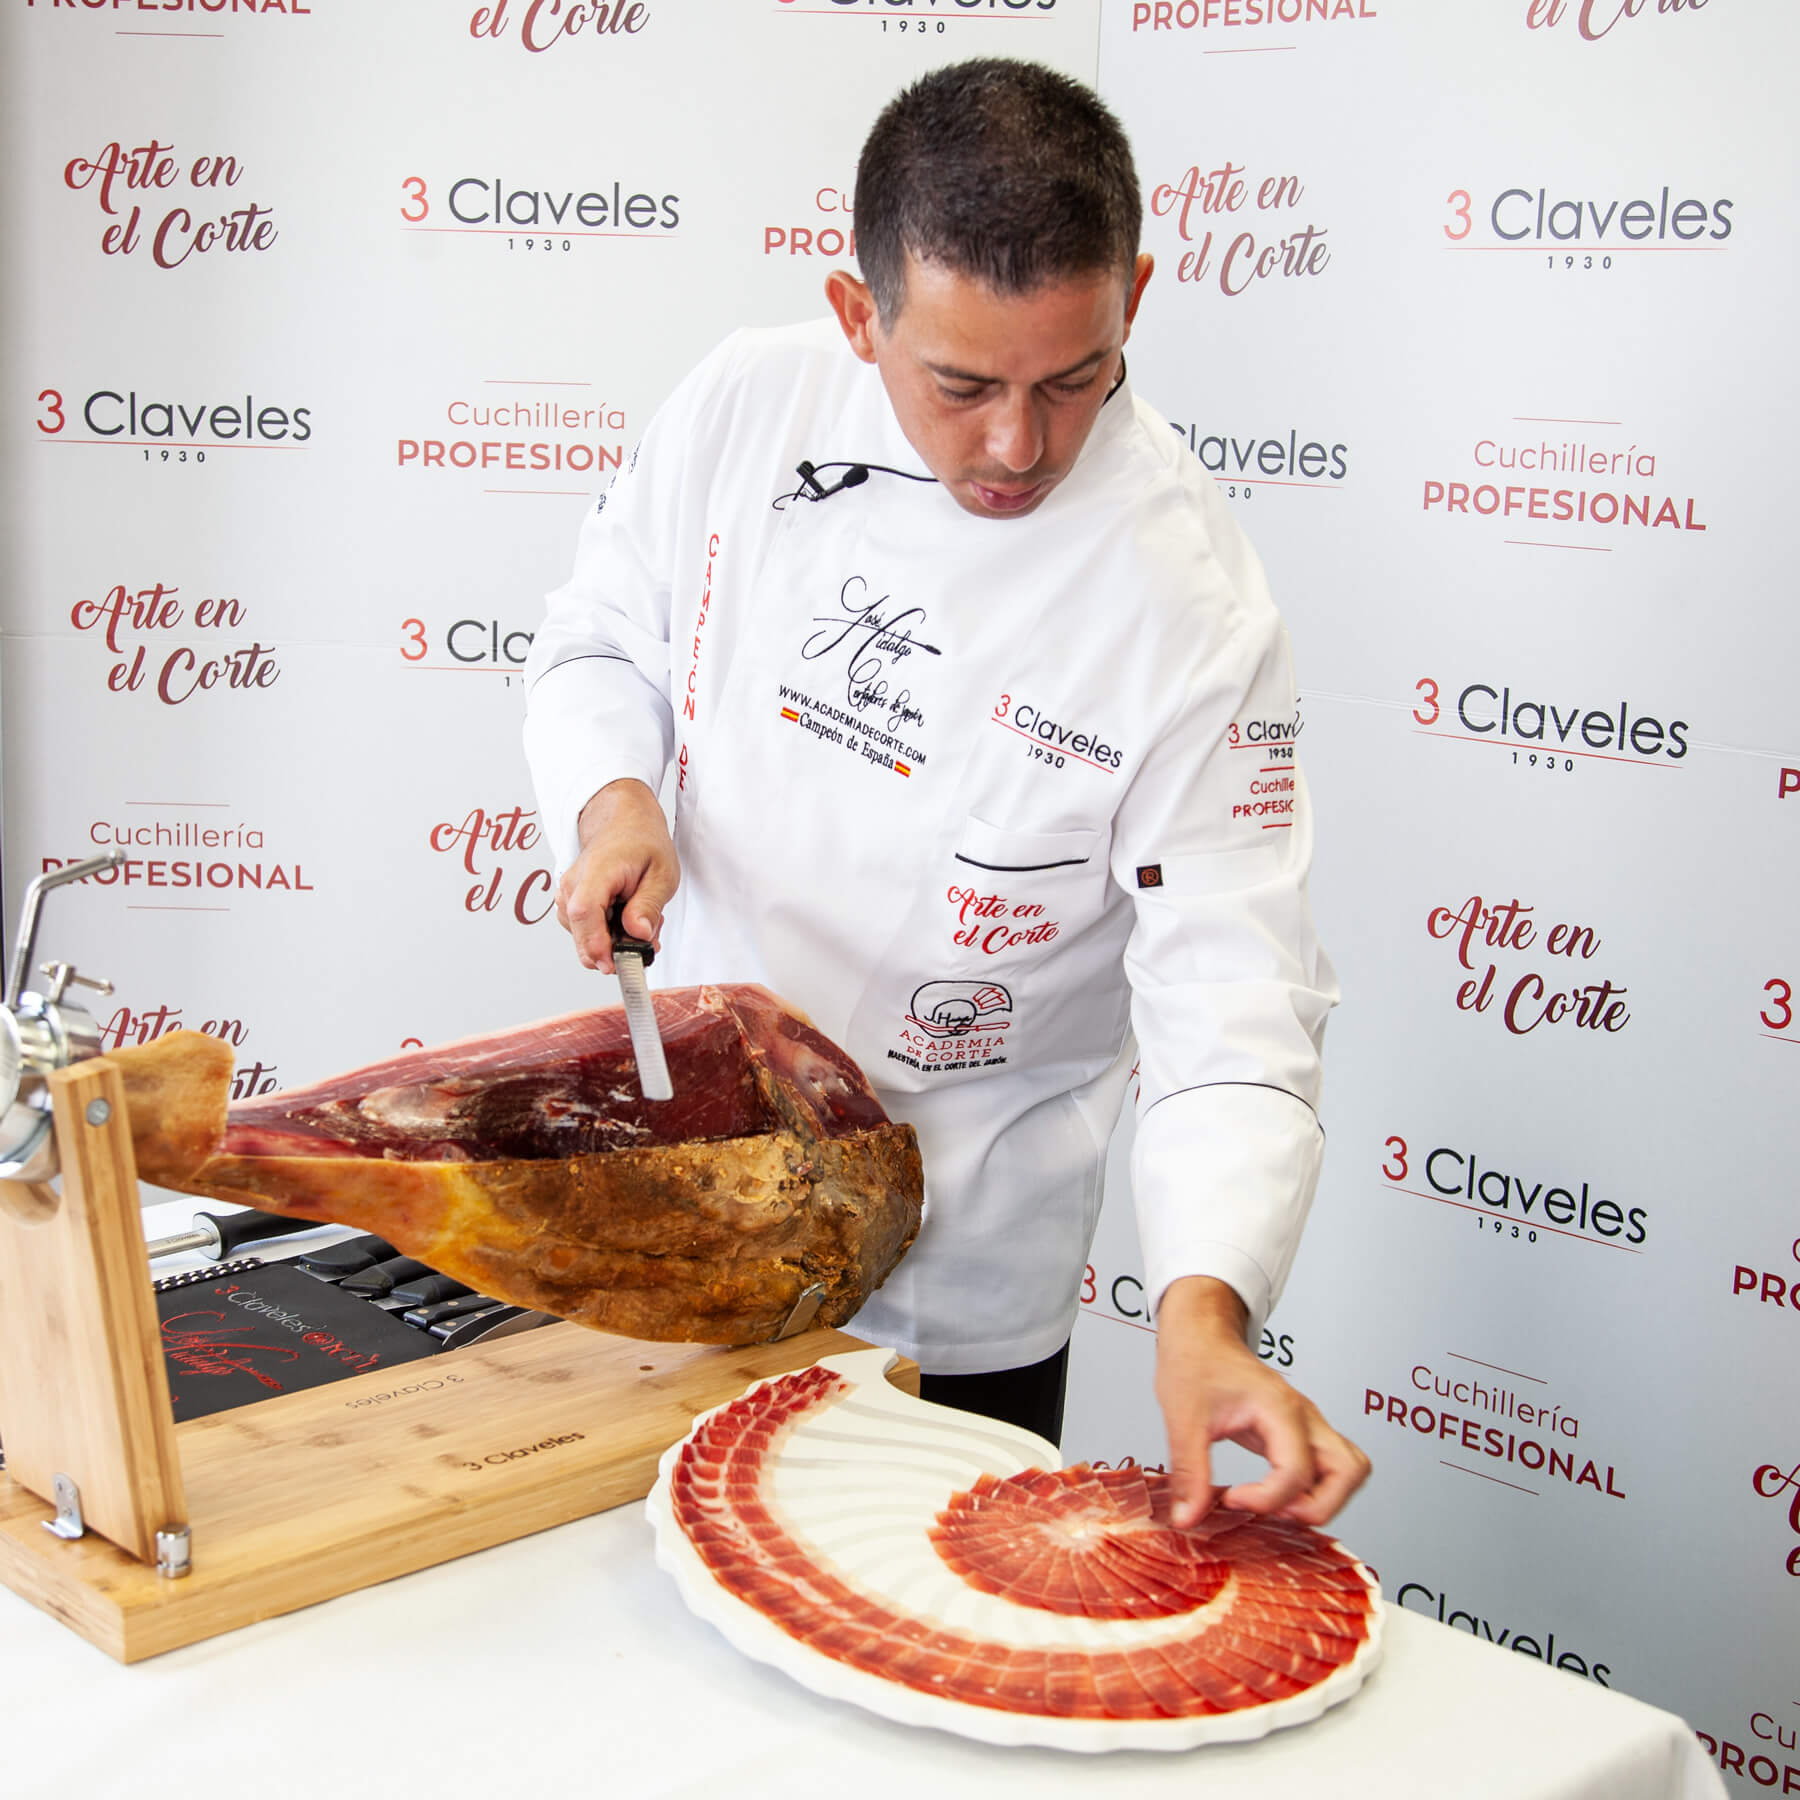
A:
x: 326, y: 320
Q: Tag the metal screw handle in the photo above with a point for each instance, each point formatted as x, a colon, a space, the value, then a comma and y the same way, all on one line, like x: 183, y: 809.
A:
x: 63, y: 976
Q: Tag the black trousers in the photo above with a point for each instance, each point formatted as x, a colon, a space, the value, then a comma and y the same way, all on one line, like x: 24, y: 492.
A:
x: 1031, y: 1396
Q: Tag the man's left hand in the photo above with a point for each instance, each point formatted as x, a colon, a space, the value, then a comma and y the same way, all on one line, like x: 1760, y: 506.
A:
x: 1212, y: 1385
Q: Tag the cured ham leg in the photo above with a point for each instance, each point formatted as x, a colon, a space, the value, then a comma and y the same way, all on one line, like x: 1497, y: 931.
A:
x: 527, y: 1164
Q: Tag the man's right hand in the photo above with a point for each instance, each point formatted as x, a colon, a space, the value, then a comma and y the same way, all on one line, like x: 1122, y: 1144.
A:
x: 626, y: 852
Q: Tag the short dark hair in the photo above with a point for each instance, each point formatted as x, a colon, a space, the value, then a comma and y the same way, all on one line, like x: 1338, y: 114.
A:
x: 1003, y: 170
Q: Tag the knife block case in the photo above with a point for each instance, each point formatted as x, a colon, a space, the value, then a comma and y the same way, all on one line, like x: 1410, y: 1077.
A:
x: 303, y: 1496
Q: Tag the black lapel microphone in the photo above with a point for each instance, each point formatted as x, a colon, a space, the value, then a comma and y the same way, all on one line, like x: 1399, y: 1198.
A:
x: 854, y: 476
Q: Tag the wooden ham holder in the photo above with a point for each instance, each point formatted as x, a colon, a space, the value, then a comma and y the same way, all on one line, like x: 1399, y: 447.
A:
x: 301, y: 1497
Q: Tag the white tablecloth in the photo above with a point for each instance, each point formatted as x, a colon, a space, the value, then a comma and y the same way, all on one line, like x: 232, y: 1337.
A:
x: 566, y: 1664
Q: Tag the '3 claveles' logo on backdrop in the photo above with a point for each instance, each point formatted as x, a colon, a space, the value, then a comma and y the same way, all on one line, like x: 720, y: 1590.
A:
x: 1415, y: 1596
x: 1508, y: 1197
x: 198, y: 417
x: 1536, y: 214
x: 1281, y: 458
x: 567, y: 209
x: 1549, y: 725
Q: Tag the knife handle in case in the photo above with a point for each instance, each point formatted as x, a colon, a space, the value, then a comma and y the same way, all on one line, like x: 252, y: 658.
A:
x: 462, y: 1307
x: 350, y: 1257
x: 445, y: 1329
x: 503, y: 1321
x: 427, y: 1290
x: 378, y: 1282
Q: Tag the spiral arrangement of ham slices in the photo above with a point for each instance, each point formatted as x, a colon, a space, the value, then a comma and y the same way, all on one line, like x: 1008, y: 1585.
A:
x: 864, y: 1526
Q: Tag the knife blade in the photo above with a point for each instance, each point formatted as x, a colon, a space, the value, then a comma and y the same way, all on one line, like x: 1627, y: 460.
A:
x: 631, y: 957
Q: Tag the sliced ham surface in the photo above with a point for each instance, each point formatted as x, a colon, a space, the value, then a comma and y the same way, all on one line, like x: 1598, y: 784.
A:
x: 742, y: 1065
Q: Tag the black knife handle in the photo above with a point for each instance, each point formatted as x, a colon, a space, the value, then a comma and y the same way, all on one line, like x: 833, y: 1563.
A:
x: 438, y: 1311
x: 377, y: 1283
x: 621, y: 938
x: 454, y: 1333
x: 235, y: 1229
x: 336, y: 1261
x: 426, y: 1290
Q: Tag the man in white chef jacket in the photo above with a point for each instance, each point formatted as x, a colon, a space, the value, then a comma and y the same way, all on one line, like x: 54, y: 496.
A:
x: 981, y: 722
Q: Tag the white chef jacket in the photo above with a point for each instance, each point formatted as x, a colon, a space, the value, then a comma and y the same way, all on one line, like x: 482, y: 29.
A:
x: 1006, y: 806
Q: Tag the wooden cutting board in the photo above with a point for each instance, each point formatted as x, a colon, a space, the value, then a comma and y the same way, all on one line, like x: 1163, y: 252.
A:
x: 307, y: 1496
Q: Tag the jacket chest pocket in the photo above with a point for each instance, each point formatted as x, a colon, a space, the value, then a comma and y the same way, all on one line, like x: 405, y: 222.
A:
x: 978, y: 979
x: 1018, y: 890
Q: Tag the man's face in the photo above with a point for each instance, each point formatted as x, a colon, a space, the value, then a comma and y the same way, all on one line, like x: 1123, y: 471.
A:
x: 996, y: 392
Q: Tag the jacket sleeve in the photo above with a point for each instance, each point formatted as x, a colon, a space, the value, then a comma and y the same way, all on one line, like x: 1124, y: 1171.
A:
x: 597, y: 677
x: 1229, y: 988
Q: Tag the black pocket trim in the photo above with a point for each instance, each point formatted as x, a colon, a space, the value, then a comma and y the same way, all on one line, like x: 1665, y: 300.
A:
x: 1068, y: 862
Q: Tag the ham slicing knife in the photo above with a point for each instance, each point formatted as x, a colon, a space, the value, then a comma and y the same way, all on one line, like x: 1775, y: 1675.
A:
x: 631, y: 957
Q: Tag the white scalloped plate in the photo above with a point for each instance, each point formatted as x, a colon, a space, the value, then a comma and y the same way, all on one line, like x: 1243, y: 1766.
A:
x: 861, y: 1481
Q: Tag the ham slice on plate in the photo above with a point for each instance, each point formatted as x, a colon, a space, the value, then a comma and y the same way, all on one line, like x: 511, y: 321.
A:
x: 527, y: 1164
x: 938, y: 1569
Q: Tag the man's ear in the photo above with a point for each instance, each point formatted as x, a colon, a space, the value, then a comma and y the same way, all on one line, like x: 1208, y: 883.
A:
x: 855, y: 308
x: 1140, y: 279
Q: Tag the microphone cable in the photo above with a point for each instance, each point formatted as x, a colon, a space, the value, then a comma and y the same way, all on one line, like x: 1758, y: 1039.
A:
x: 855, y: 474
